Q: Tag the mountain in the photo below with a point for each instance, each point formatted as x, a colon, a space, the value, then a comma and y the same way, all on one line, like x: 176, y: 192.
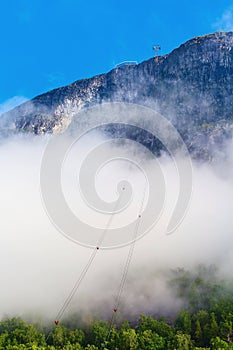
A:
x: 192, y: 87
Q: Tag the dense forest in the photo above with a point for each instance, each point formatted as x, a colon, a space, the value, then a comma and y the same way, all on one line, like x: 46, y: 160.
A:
x: 205, y: 322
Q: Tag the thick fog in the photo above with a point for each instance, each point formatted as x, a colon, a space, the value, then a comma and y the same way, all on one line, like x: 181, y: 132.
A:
x: 39, y: 265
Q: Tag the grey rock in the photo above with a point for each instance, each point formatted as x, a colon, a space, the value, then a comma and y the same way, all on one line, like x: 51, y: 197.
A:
x: 192, y: 87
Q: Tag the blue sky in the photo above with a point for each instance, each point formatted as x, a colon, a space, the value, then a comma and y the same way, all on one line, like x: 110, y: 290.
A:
x: 50, y: 43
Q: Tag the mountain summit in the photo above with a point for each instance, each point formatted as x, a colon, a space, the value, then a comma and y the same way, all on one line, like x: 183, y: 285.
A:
x: 192, y: 87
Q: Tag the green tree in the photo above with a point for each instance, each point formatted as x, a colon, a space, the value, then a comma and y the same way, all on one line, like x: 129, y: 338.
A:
x: 183, y: 322
x: 218, y: 344
x: 76, y: 336
x: 99, y: 333
x: 183, y: 342
x: 147, y: 340
x: 15, y: 331
x: 159, y: 327
x: 225, y: 328
x: 91, y: 347
x: 128, y: 339
x: 59, y: 337
x: 214, y: 330
x: 198, y: 336
x: 204, y: 321
x: 112, y: 339
x: 72, y: 347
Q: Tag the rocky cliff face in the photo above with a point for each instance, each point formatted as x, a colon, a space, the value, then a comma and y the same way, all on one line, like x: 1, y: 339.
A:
x: 192, y: 86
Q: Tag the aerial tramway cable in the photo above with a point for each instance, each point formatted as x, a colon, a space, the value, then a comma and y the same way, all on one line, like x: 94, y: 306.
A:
x: 127, y: 264
x: 90, y: 261
x: 86, y: 268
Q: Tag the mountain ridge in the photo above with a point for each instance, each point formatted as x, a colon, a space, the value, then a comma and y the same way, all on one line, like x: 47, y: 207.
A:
x: 192, y: 86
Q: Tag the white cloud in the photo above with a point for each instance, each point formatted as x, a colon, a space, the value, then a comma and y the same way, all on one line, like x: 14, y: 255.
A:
x: 225, y: 22
x: 39, y: 266
x: 11, y: 103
